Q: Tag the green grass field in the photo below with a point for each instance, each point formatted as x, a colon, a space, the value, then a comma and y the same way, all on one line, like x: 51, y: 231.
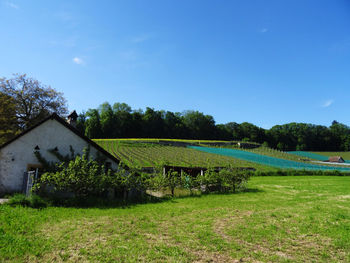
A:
x: 280, y: 219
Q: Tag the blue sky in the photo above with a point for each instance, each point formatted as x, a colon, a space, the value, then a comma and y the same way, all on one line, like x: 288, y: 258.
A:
x: 266, y: 62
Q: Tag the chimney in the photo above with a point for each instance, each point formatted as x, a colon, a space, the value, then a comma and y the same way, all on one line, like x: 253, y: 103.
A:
x: 72, y: 118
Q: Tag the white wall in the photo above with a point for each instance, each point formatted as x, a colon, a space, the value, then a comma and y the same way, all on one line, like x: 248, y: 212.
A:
x: 15, y: 157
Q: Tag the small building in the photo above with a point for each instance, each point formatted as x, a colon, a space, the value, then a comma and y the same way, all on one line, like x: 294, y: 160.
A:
x: 53, y: 133
x: 336, y: 159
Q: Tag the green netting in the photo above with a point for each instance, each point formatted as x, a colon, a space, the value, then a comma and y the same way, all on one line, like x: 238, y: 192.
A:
x: 310, y: 155
x: 267, y: 160
x: 314, y: 156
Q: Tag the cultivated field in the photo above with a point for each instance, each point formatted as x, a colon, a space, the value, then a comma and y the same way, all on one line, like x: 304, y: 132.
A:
x: 268, y: 160
x: 280, y: 219
x: 138, y: 153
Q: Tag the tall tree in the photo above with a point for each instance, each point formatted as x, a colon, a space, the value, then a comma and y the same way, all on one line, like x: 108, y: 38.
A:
x: 124, y: 120
x: 153, y: 123
x: 201, y: 126
x: 8, y: 120
x: 108, y: 124
x: 93, y: 124
x: 33, y: 101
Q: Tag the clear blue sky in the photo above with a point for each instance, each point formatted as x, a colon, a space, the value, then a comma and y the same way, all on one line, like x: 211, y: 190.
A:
x: 266, y: 62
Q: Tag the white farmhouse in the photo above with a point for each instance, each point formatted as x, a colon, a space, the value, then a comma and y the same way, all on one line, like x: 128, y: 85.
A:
x: 17, y: 156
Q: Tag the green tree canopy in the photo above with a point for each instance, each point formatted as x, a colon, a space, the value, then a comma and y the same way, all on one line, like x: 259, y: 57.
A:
x: 33, y: 101
x: 8, y: 120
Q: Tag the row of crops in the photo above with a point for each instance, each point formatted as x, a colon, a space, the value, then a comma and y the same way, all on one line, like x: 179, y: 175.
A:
x: 266, y: 160
x: 274, y: 153
x: 139, y: 154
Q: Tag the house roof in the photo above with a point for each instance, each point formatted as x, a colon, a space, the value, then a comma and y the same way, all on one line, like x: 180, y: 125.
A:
x: 336, y: 159
x: 54, y: 116
x: 73, y: 115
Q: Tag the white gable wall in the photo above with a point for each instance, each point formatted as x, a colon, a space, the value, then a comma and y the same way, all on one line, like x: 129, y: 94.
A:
x: 15, y: 157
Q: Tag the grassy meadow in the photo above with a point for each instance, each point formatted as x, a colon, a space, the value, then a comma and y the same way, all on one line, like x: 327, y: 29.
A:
x: 278, y: 219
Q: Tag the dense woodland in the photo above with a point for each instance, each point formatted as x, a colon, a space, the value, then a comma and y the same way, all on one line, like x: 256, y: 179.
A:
x: 120, y: 121
x: 24, y: 101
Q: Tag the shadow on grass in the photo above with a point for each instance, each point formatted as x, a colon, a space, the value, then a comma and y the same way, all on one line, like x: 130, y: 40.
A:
x: 252, y: 190
x: 103, y: 203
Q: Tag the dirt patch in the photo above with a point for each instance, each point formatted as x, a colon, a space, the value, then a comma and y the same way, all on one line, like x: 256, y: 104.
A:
x: 342, y: 197
x: 220, y: 226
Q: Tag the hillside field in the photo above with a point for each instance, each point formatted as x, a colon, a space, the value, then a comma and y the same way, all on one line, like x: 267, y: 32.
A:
x: 139, y: 153
x: 279, y: 219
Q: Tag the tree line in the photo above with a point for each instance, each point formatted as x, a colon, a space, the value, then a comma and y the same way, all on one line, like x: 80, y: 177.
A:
x: 24, y: 101
x: 120, y: 121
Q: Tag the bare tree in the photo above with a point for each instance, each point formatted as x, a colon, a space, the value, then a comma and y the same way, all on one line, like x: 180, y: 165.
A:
x: 33, y: 100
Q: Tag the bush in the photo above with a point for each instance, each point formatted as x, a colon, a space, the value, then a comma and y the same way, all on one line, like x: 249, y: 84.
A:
x: 37, y: 202
x: 160, y: 181
x: 19, y: 200
x: 189, y: 182
x: 33, y: 201
x: 81, y: 176
x: 225, y: 180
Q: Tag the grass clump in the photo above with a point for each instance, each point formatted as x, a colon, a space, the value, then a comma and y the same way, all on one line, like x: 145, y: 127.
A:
x: 33, y: 201
x: 19, y: 200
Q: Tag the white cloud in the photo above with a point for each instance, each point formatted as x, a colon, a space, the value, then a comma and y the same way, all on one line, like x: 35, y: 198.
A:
x: 78, y: 61
x: 12, y: 5
x: 264, y: 30
x: 327, y: 103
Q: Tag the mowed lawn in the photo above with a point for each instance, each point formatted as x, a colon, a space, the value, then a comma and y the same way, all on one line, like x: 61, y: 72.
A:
x: 280, y: 219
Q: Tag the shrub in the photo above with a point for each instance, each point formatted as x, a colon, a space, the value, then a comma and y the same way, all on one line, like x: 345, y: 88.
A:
x: 225, y: 180
x: 33, y: 201
x: 233, y: 179
x: 210, y: 181
x: 130, y: 180
x: 19, y: 200
x: 81, y: 176
x: 160, y: 181
x: 37, y: 202
x: 189, y: 182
